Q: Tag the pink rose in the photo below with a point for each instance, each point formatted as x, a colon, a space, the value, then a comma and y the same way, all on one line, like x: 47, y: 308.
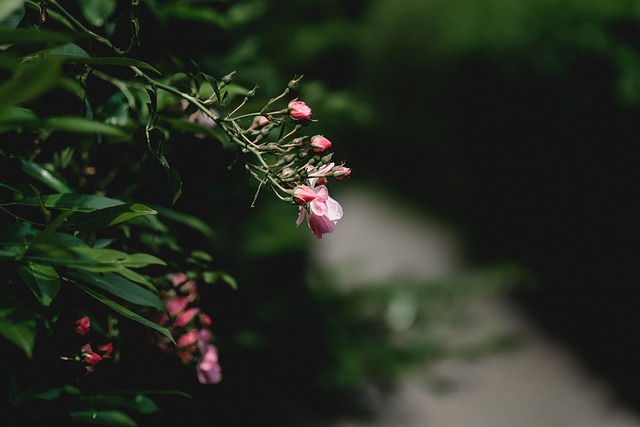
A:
x: 298, y: 110
x: 208, y: 369
x: 303, y: 194
x: 323, y: 213
x: 319, y: 143
x: 83, y: 325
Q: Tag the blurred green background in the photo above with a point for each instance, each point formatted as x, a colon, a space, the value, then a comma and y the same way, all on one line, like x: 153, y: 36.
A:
x: 513, y: 121
x: 516, y: 121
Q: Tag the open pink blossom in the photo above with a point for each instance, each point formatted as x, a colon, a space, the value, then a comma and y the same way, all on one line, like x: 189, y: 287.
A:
x: 208, y: 368
x: 303, y: 194
x: 83, y: 325
x: 322, y: 214
x: 298, y: 110
x: 316, y: 175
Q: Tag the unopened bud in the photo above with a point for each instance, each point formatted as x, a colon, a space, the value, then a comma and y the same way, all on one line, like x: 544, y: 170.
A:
x: 319, y: 143
x: 341, y: 173
x: 293, y: 84
x: 298, y: 110
x: 228, y: 78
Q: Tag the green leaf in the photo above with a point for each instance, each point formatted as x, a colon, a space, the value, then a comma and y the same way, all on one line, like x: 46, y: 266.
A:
x: 108, y: 417
x: 106, y: 217
x: 97, y: 12
x: 39, y: 38
x: 30, y: 80
x: 136, y: 402
x: 43, y: 280
x: 11, y: 13
x: 69, y: 251
x: 137, y: 278
x: 15, y: 238
x: 108, y: 60
x: 120, y: 287
x: 83, y: 126
x: 44, y: 176
x: 70, y: 50
x: 17, y: 324
x: 74, y: 201
x: 126, y: 312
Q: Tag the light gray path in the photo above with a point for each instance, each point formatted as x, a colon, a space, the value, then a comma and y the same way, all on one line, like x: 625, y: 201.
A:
x: 539, y: 384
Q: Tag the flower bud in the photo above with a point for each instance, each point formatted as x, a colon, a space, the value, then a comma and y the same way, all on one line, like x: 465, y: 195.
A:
x: 83, y: 325
x: 303, y: 194
x: 293, y: 84
x: 298, y: 110
x: 319, y: 143
x: 341, y: 173
x: 228, y: 78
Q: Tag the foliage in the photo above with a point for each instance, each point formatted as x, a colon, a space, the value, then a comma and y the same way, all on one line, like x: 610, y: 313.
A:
x: 88, y: 220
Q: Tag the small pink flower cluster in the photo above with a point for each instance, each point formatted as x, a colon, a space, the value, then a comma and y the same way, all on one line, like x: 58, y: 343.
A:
x: 308, y: 181
x: 89, y: 357
x: 190, y: 327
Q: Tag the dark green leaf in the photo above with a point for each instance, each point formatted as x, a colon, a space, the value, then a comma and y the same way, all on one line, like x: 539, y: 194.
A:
x: 43, y: 280
x: 83, y: 126
x: 126, y: 312
x: 11, y: 13
x: 75, y: 201
x: 137, y: 402
x: 43, y: 38
x: 17, y: 323
x: 30, y: 80
x: 97, y: 12
x: 15, y: 238
x: 137, y: 278
x: 107, y: 417
x: 45, y: 176
x: 120, y: 287
x: 70, y: 50
x: 127, y: 62
x: 106, y: 217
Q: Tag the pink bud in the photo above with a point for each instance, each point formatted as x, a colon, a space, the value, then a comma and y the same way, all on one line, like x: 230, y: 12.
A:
x: 178, y: 278
x: 341, y: 173
x: 319, y: 143
x: 88, y: 355
x: 83, y: 325
x: 303, y: 194
x: 205, y: 320
x: 298, y: 110
x: 106, y: 350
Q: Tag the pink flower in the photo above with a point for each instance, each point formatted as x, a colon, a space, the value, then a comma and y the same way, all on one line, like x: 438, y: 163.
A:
x: 188, y: 339
x: 323, y: 213
x: 205, y: 320
x: 208, y: 369
x: 319, y: 143
x: 186, y: 316
x: 298, y: 110
x: 316, y: 176
x: 178, y: 279
x: 106, y: 350
x: 341, y: 173
x: 303, y: 194
x: 176, y: 305
x: 83, y: 325
x: 89, y: 356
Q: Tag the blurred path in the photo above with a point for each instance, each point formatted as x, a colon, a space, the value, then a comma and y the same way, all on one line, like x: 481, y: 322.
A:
x: 539, y: 384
